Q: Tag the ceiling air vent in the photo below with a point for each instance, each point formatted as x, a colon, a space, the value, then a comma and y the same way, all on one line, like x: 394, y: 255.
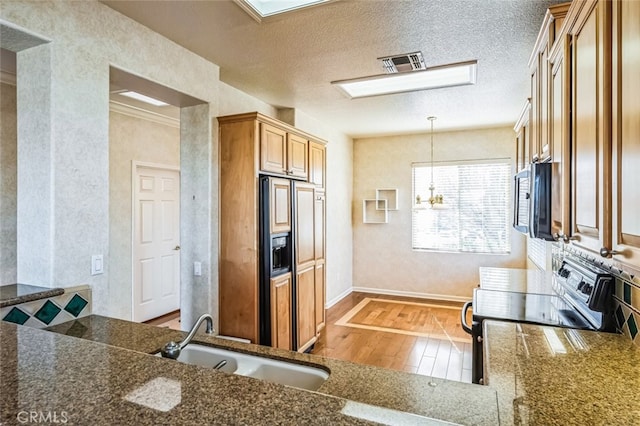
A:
x: 403, y: 63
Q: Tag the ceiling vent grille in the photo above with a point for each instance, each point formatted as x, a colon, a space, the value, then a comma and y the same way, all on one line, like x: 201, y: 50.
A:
x: 403, y: 63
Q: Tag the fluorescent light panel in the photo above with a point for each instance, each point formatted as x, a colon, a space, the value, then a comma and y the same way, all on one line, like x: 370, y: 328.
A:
x: 266, y: 8
x: 143, y: 98
x: 460, y: 74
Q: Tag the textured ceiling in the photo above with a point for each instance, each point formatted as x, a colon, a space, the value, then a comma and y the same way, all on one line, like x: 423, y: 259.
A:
x: 290, y: 61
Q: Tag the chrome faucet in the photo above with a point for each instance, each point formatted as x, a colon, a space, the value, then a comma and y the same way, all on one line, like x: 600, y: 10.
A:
x: 172, y: 349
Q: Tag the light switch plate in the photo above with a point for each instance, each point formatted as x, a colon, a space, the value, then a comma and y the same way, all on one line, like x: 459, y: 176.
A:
x: 97, y: 264
x: 197, y: 269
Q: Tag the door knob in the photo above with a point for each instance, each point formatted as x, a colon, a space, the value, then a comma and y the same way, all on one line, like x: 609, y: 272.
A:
x: 176, y: 248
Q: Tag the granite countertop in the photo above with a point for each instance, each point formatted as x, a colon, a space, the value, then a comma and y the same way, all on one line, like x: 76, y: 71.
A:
x: 111, y: 359
x: 559, y: 376
x: 14, y: 294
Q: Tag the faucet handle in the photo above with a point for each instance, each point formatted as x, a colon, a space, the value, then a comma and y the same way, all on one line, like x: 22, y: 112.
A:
x: 170, y: 350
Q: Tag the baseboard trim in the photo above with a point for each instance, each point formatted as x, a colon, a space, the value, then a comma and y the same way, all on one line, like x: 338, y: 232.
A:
x: 338, y: 298
x: 443, y: 297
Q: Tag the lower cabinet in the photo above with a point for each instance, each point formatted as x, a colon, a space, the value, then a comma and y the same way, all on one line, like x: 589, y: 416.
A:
x: 320, y: 295
x: 305, y: 307
x: 281, y: 312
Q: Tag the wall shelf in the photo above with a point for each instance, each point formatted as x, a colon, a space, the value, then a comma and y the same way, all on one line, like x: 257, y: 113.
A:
x: 375, y: 211
x: 389, y: 194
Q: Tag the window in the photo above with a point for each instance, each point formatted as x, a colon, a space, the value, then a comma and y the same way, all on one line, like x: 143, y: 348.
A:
x: 475, y: 217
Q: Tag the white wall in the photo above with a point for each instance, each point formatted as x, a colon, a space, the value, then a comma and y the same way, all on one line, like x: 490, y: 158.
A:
x: 383, y: 258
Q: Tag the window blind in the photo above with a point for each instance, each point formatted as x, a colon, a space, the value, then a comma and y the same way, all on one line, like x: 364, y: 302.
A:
x: 476, y: 216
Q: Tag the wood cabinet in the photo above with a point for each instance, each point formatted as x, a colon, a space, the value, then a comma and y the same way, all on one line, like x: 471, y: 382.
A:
x: 626, y: 131
x: 305, y: 307
x: 305, y: 265
x: 540, y: 74
x: 317, y: 161
x: 250, y: 145
x: 589, y: 38
x: 523, y: 152
x: 280, y: 215
x: 319, y: 254
x: 282, y: 152
x: 281, y: 336
x: 558, y: 107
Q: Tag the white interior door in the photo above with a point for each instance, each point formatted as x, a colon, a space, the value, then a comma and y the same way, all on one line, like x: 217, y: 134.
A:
x: 156, y: 242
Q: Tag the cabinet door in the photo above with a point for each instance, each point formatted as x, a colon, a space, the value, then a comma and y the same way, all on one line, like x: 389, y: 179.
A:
x: 305, y: 307
x: 590, y: 159
x: 544, y: 147
x: 280, y: 214
x: 304, y: 224
x: 626, y: 131
x: 281, y: 312
x: 297, y: 156
x: 319, y: 295
x: 273, y: 149
x: 316, y: 164
x: 319, y: 225
x: 559, y: 143
x: 534, y: 122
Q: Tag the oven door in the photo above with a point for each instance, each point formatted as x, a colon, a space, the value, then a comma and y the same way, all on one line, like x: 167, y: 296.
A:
x: 475, y: 330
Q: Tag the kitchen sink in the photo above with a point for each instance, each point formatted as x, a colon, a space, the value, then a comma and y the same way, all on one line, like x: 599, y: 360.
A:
x: 258, y: 367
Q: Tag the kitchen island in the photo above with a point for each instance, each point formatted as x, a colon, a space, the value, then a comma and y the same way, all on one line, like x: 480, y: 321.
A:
x: 97, y: 370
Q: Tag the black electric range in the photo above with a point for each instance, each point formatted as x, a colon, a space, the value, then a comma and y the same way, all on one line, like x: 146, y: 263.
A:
x: 577, y: 296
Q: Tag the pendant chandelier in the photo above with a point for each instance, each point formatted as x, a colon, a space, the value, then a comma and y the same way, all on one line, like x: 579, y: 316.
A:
x: 434, y: 199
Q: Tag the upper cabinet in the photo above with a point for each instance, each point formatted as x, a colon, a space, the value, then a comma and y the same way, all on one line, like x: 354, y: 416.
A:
x: 283, y: 153
x: 317, y: 163
x: 590, y: 47
x: 585, y: 118
x: 540, y: 74
x: 626, y: 131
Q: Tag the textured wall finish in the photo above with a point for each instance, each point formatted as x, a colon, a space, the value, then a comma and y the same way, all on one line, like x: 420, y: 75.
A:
x: 35, y: 167
x: 383, y: 258
x: 131, y: 139
x: 198, y: 214
x: 68, y: 209
x: 8, y: 181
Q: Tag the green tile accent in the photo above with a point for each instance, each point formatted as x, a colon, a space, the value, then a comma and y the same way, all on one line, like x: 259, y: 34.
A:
x: 76, y: 305
x: 620, y: 317
x: 627, y: 293
x: 16, y: 316
x: 47, y: 312
x: 633, y: 328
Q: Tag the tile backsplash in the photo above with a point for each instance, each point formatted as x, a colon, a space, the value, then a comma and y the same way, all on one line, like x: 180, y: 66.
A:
x: 74, y: 303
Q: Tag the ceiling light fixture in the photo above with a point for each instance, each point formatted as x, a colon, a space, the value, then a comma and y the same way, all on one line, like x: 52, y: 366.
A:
x: 143, y: 98
x: 260, y: 9
x: 459, y: 74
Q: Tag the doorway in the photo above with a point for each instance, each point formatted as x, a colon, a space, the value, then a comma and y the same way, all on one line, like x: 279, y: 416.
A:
x: 156, y: 241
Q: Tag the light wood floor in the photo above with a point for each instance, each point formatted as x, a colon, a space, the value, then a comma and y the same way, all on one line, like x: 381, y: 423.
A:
x: 418, y: 337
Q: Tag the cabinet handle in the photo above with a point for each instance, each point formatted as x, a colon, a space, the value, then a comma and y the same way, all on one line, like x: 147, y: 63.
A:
x: 605, y: 252
x: 564, y: 237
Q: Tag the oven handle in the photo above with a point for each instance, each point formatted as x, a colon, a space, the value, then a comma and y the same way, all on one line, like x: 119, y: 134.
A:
x: 463, y: 317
